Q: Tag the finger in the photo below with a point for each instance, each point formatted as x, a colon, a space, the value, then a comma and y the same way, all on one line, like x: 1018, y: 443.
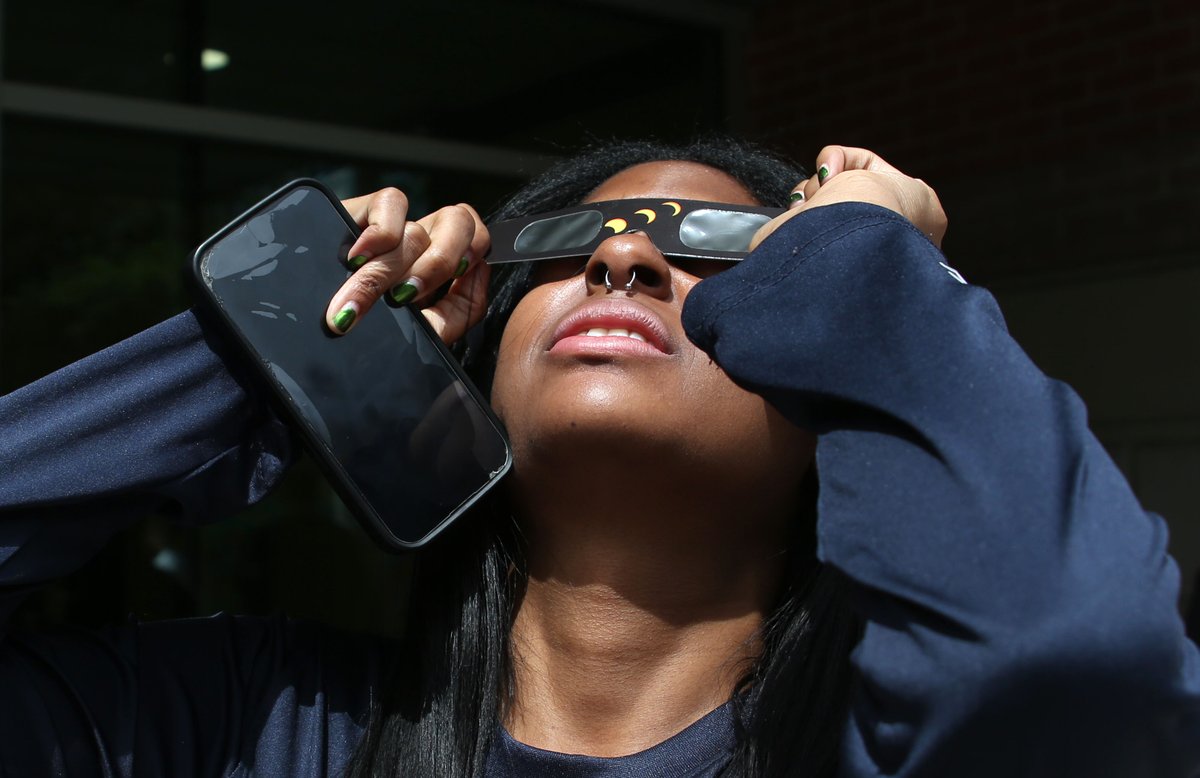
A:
x: 830, y: 161
x: 462, y: 307
x: 833, y: 160
x: 481, y: 240
x: 796, y: 198
x: 914, y: 199
x: 374, y: 278
x: 449, y: 254
x: 867, y: 177
x: 937, y: 222
x: 802, y: 192
x: 382, y: 217
x: 854, y: 158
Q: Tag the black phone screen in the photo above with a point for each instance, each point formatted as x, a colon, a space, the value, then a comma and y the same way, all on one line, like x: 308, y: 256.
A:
x: 407, y: 440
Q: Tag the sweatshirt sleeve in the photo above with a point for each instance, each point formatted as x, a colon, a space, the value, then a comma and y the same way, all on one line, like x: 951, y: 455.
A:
x: 154, y: 422
x: 1020, y: 605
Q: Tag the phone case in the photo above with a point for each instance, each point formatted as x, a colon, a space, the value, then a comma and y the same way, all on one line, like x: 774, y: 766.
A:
x: 288, y: 399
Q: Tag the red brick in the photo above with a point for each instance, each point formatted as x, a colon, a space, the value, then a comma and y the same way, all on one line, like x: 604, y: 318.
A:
x: 1127, y: 75
x: 1177, y: 10
x: 1120, y: 22
x: 1078, y: 64
x: 1176, y: 93
x: 1156, y: 42
x: 1089, y: 113
x: 1046, y: 94
x: 1031, y: 20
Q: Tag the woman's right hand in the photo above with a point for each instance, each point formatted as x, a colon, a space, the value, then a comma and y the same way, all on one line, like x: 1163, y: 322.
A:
x: 408, y: 259
x: 850, y: 174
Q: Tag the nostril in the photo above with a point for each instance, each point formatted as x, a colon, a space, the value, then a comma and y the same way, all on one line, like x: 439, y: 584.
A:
x: 594, y: 274
x: 648, y: 276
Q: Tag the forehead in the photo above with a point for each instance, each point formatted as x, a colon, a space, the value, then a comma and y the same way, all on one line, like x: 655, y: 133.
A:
x: 673, y: 179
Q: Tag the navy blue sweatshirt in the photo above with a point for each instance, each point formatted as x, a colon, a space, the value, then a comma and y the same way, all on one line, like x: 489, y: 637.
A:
x: 1020, y: 605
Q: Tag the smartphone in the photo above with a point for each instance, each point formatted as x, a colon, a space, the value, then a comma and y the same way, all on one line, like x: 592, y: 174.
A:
x: 403, y: 435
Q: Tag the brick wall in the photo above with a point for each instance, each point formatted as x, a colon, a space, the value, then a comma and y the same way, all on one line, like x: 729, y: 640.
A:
x: 1064, y: 140
x: 1088, y: 112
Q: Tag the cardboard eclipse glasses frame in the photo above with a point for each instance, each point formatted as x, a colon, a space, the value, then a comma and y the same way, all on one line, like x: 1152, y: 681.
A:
x: 693, y: 229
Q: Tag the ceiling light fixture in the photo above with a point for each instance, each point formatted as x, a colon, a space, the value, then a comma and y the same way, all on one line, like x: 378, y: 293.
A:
x: 213, y: 59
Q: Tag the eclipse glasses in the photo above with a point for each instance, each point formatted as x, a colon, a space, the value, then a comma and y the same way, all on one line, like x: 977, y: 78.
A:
x: 692, y: 229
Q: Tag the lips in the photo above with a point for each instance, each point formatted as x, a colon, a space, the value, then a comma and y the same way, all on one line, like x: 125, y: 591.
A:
x: 612, y: 325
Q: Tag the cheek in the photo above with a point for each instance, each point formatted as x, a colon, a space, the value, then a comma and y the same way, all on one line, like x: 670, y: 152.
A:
x: 517, y: 348
x: 743, y: 425
x: 508, y: 372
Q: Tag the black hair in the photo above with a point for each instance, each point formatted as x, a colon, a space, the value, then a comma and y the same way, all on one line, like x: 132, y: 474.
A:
x: 452, y: 682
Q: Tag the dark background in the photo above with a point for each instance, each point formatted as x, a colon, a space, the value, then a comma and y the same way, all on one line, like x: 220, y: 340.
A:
x: 1061, y: 136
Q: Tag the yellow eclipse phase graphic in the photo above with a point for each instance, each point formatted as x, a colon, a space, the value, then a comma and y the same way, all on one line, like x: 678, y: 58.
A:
x: 649, y: 214
x: 675, y: 206
x: 616, y: 225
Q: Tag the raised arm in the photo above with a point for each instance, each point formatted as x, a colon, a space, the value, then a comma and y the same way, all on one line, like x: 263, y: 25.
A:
x: 159, y: 421
x: 1020, y: 604
x: 156, y: 421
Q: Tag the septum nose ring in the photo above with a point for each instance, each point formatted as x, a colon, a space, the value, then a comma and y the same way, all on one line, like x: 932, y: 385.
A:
x: 608, y: 287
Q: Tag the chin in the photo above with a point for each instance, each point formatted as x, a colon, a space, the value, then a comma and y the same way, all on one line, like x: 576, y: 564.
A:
x: 598, y: 430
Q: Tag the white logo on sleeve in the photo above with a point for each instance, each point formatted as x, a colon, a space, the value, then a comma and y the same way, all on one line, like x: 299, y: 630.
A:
x: 957, y: 276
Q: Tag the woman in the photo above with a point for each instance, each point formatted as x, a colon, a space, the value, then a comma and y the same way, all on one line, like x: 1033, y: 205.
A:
x: 645, y: 597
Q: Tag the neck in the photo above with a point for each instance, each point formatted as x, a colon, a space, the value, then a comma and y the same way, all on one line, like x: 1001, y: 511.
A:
x: 641, y: 611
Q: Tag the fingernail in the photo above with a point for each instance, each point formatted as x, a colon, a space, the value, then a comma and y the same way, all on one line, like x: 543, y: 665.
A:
x: 406, y: 291
x: 796, y: 197
x: 357, y: 262
x: 344, y: 319
x: 822, y: 174
x: 463, y: 264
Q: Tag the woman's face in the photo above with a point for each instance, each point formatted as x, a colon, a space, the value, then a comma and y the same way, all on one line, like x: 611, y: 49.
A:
x: 588, y: 372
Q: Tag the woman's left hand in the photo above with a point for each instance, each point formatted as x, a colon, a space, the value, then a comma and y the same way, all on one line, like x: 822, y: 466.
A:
x: 412, y: 258
x: 848, y: 174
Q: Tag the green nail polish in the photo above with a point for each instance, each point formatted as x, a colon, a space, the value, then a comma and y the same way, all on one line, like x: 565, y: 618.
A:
x: 463, y: 264
x: 796, y: 197
x: 357, y: 262
x: 403, y: 293
x: 344, y: 318
x: 822, y: 173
